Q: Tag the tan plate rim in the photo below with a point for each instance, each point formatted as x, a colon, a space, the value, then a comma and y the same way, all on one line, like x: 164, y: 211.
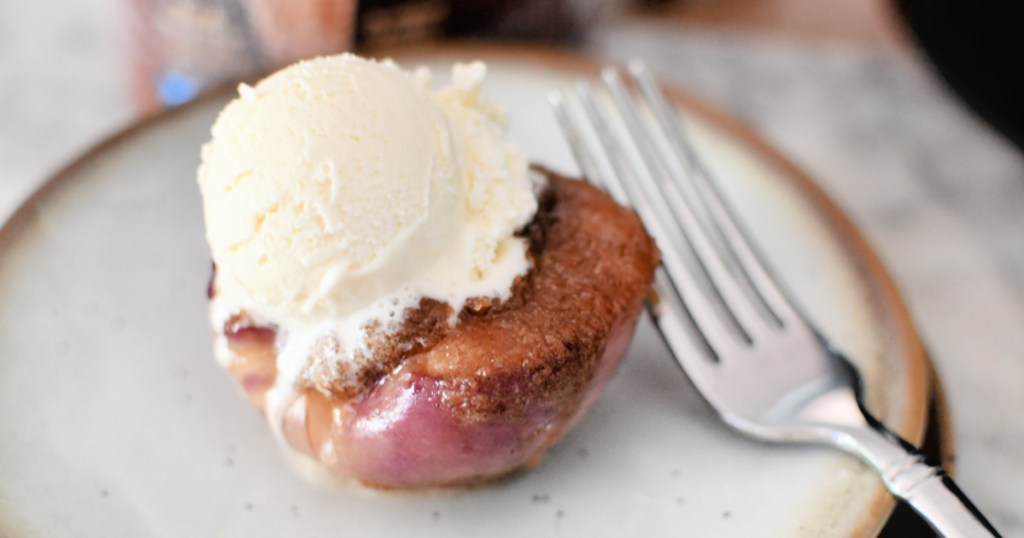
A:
x: 911, y: 426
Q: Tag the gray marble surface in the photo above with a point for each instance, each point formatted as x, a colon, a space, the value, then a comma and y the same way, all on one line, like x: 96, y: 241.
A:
x: 939, y: 195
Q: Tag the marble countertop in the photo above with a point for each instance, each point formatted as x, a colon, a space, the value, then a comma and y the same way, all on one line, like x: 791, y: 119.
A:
x: 939, y: 195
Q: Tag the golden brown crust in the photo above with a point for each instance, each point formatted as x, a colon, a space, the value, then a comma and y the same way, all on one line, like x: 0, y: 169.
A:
x: 593, y: 262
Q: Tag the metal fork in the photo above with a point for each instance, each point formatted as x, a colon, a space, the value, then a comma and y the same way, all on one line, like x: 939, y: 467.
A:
x: 726, y: 318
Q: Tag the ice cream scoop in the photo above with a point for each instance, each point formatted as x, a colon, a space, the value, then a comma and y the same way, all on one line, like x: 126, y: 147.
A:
x: 340, y: 182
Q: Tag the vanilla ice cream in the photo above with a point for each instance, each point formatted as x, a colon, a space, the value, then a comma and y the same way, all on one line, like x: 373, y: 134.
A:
x: 340, y: 182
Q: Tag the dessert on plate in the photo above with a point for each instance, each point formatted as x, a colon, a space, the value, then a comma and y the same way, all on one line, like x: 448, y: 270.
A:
x: 408, y: 302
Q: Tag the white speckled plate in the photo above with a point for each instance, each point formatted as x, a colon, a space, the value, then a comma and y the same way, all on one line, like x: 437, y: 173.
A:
x: 115, y: 420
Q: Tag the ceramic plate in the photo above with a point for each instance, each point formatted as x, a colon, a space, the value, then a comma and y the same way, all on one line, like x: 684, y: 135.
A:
x: 117, y: 422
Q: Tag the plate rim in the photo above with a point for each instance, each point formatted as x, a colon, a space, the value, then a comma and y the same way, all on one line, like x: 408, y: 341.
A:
x: 921, y: 379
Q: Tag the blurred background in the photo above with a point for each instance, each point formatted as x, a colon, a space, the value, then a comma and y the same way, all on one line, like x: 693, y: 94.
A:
x: 74, y: 71
x: 907, y: 112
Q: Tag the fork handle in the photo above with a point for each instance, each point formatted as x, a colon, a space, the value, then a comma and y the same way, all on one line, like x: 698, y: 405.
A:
x: 927, y: 489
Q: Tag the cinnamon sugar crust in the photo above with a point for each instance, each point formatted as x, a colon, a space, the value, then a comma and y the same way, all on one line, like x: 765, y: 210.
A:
x: 593, y: 261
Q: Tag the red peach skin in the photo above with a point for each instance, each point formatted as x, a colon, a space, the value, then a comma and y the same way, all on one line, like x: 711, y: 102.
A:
x: 404, y: 436
x: 498, y: 389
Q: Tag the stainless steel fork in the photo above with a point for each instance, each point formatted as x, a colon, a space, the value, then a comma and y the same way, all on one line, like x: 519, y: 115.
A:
x: 727, y: 319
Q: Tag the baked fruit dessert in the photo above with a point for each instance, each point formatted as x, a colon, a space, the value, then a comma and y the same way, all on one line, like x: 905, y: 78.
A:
x: 407, y: 302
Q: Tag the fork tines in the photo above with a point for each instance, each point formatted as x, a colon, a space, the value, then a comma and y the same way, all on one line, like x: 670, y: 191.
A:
x: 630, y: 141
